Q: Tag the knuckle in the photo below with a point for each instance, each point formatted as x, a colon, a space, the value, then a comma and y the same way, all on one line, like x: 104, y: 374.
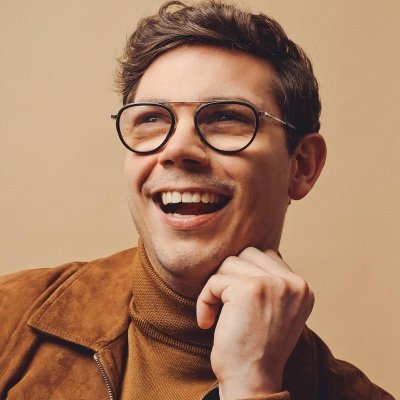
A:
x: 281, y: 284
x: 270, y: 252
x: 230, y: 259
x: 255, y: 288
x: 227, y: 262
x: 248, y: 251
x: 303, y: 286
x: 297, y: 288
x: 304, y: 292
x: 212, y: 280
x: 311, y: 298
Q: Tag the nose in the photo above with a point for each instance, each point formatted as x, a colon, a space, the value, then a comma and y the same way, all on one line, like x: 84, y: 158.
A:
x: 185, y: 148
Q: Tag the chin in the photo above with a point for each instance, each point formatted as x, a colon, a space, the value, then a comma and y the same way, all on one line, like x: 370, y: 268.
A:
x: 188, y: 260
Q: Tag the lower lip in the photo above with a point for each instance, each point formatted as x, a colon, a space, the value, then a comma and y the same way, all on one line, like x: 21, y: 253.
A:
x: 190, y: 222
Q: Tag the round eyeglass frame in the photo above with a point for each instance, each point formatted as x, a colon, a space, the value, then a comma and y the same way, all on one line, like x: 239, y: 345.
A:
x: 203, y: 105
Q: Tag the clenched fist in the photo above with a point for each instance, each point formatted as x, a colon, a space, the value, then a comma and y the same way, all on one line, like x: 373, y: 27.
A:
x: 263, y: 308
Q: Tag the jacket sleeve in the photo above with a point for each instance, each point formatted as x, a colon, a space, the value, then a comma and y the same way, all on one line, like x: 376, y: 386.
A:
x: 339, y: 379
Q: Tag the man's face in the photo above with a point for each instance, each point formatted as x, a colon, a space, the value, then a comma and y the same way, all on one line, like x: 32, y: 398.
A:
x: 253, y: 183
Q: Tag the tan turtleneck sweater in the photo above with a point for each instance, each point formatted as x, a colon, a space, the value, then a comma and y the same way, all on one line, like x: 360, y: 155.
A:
x: 168, y: 354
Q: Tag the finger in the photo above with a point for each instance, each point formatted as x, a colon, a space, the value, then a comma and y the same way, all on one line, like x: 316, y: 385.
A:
x: 238, y: 266
x: 267, y: 260
x: 211, y: 298
x: 311, y: 301
x: 270, y: 262
x: 277, y: 257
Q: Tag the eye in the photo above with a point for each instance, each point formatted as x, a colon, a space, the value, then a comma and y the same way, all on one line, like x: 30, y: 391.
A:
x: 151, y: 118
x: 227, y: 116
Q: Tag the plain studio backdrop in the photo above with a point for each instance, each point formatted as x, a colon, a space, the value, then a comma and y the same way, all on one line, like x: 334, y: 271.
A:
x: 62, y: 188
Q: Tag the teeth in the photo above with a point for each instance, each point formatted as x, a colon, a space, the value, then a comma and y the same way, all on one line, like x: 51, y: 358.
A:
x: 196, y: 198
x: 205, y: 198
x: 176, y: 197
x: 186, y: 197
x: 189, y: 197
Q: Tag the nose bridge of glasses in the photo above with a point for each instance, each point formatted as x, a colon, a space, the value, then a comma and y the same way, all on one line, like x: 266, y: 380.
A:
x: 184, y: 145
x: 183, y: 110
x: 184, y: 115
x: 179, y: 108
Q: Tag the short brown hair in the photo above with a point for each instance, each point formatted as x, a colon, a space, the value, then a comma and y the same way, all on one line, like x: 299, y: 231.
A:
x: 223, y: 25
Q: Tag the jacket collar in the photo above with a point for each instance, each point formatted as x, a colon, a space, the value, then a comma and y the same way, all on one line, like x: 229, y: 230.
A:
x: 90, y: 308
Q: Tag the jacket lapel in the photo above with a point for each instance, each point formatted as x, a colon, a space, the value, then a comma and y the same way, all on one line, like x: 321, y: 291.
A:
x: 91, y: 307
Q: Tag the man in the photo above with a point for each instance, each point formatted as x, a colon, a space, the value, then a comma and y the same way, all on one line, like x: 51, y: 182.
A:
x: 220, y: 119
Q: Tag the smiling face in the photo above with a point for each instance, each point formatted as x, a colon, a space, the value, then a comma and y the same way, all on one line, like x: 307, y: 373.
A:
x: 193, y: 206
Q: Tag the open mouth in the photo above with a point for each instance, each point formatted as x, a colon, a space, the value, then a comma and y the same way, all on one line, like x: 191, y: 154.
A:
x: 190, y: 203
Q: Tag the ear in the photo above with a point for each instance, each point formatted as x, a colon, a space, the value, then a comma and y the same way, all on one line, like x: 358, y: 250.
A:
x: 307, y: 161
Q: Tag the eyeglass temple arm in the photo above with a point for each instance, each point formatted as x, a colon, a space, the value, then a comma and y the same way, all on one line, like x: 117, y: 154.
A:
x: 113, y: 116
x: 266, y: 114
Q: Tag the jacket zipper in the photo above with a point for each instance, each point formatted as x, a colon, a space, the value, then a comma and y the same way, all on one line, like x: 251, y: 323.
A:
x: 105, y: 377
x: 108, y: 383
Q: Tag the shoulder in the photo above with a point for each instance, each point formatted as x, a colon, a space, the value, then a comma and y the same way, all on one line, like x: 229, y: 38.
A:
x: 340, y: 379
x: 22, y: 293
x: 20, y: 288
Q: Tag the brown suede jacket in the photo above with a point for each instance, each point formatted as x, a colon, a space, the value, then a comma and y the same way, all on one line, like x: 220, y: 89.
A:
x: 63, y: 335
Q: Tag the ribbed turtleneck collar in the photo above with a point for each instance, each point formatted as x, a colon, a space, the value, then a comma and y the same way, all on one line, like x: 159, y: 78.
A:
x: 163, y: 313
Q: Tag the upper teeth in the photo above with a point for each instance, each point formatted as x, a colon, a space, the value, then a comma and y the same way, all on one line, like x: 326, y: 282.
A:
x: 189, y: 197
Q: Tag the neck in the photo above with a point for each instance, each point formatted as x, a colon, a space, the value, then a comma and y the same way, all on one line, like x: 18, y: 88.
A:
x: 188, y: 285
x: 187, y: 282
x: 158, y: 308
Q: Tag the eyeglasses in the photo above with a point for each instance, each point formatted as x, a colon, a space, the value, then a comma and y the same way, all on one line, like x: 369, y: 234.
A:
x: 226, y: 126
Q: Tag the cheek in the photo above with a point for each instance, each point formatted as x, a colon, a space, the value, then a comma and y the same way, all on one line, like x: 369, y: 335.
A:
x: 264, y: 181
x: 136, y: 170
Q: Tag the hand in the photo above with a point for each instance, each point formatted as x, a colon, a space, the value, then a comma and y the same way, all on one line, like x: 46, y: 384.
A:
x: 263, y: 308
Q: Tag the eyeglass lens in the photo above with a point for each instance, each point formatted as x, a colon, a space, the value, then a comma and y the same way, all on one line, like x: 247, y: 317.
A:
x: 224, y: 126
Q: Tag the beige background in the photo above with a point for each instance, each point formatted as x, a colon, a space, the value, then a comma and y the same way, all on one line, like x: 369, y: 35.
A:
x: 62, y: 191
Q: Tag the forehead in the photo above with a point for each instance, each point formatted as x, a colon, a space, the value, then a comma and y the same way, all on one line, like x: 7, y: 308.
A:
x: 201, y: 73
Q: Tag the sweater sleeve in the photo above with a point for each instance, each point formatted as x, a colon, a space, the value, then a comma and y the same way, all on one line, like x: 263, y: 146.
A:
x: 214, y: 395
x: 276, y: 396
